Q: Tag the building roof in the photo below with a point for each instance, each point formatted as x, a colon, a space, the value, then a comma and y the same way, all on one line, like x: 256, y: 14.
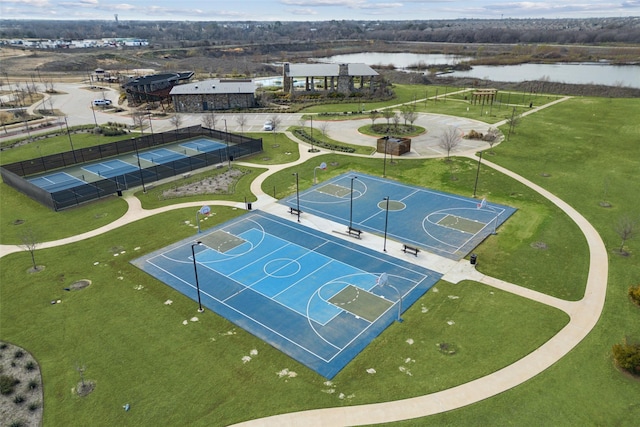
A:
x: 215, y: 86
x: 157, y: 78
x: 328, y: 70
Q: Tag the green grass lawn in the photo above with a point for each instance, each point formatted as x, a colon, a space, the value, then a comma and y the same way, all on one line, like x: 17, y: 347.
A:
x: 138, y: 351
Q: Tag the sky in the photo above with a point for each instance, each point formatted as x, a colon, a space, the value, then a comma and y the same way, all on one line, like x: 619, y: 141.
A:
x: 310, y: 10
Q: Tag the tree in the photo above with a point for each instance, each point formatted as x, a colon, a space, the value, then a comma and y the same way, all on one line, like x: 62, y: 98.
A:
x: 176, y: 121
x: 409, y: 114
x: 241, y: 119
x: 388, y: 114
x: 513, y: 121
x: 396, y: 121
x: 30, y: 241
x: 450, y: 139
x: 374, y: 115
x: 209, y: 120
x: 492, y: 136
x: 625, y: 228
x: 139, y: 120
x: 276, y: 120
x: 324, y: 127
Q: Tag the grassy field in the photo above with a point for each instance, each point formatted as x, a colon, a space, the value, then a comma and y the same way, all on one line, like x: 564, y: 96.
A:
x: 138, y: 351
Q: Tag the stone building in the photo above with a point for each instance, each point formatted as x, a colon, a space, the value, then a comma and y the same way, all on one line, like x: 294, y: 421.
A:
x: 346, y: 79
x: 216, y: 94
x: 153, y: 88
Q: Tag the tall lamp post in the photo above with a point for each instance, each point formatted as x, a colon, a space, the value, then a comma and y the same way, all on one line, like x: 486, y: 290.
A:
x: 195, y: 271
x: 475, y: 186
x: 384, y: 167
x: 226, y: 139
x: 386, y: 223
x: 135, y: 146
x: 150, y: 125
x: 297, y: 195
x: 73, y: 151
x: 351, y: 203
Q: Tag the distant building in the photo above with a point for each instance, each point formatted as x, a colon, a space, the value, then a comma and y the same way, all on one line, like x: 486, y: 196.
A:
x: 215, y: 94
x: 346, y: 79
x: 153, y: 88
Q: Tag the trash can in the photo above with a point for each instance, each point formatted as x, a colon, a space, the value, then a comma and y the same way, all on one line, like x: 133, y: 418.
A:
x: 473, y: 259
x: 119, y: 193
x: 248, y: 206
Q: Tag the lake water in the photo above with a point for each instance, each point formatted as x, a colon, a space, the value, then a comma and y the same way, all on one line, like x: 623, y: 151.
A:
x: 575, y: 73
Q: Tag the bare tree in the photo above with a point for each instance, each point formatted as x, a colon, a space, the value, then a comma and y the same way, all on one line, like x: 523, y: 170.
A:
x: 176, y: 121
x: 373, y: 115
x: 139, y: 120
x: 396, y: 121
x: 276, y: 120
x: 625, y: 227
x: 513, y: 122
x: 209, y: 120
x: 450, y: 139
x: 324, y: 127
x: 30, y: 241
x: 388, y: 114
x: 302, y: 121
x: 409, y: 114
x: 492, y: 136
x: 241, y: 119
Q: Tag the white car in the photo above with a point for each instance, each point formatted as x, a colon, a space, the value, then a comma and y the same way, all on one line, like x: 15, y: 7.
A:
x: 101, y: 102
x: 268, y: 125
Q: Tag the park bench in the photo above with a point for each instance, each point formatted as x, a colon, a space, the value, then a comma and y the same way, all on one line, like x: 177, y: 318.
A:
x: 410, y: 249
x: 354, y: 232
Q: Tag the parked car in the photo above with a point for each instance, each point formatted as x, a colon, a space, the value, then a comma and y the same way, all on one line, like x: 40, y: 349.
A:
x: 268, y: 125
x: 101, y: 102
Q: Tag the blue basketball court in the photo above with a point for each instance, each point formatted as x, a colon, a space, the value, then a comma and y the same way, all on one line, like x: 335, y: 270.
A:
x: 318, y: 298
x: 442, y: 223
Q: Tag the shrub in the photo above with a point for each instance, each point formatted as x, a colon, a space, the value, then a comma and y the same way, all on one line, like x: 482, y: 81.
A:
x: 30, y: 365
x: 627, y: 357
x: 7, y: 384
x: 634, y: 294
x: 18, y: 354
x: 18, y: 423
x: 33, y: 385
x: 18, y: 399
x: 33, y: 406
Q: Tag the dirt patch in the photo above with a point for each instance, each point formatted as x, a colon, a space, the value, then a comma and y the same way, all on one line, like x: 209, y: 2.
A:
x: 223, y: 183
x: 539, y: 245
x: 80, y: 284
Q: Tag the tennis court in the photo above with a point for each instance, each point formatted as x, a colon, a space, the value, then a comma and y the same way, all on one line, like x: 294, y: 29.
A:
x: 442, y: 223
x: 315, y: 297
x: 203, y: 145
x: 56, y: 181
x: 162, y: 155
x: 110, y: 168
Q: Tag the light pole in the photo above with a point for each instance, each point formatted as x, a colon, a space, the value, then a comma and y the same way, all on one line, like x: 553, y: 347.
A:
x: 351, y: 203
x: 386, y: 223
x: 384, y: 167
x: 195, y: 271
x: 150, y: 125
x: 475, y: 187
x: 135, y: 146
x: 226, y: 139
x: 297, y: 195
x: 73, y: 151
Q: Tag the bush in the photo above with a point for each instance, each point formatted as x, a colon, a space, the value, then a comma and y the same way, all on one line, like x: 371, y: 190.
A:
x: 8, y: 384
x: 627, y: 357
x: 300, y: 133
x: 18, y: 354
x: 33, y: 406
x: 33, y: 385
x: 30, y: 366
x: 634, y: 294
x: 18, y: 399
